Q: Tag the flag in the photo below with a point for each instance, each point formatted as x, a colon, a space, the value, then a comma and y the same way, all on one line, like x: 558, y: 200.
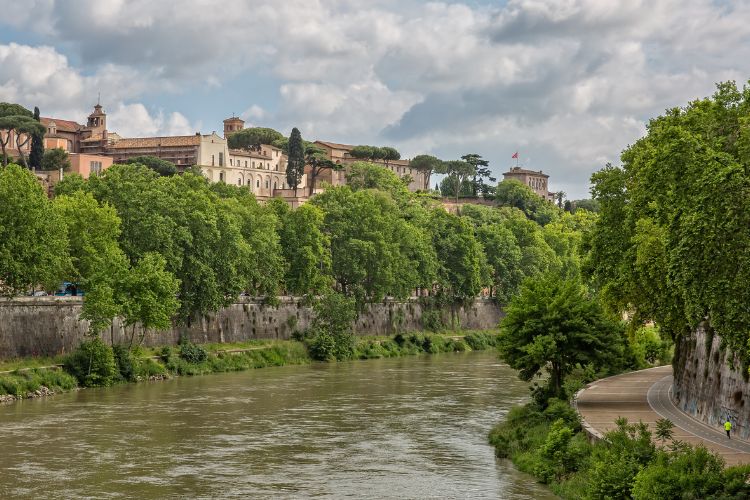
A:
x: 515, y: 155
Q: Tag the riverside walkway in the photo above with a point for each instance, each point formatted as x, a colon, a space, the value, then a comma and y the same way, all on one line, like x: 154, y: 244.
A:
x: 644, y: 396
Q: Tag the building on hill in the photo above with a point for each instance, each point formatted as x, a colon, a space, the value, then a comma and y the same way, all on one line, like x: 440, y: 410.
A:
x: 536, y: 180
x: 341, y: 154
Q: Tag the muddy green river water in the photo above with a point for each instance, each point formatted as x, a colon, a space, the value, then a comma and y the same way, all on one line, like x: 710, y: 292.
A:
x: 411, y: 427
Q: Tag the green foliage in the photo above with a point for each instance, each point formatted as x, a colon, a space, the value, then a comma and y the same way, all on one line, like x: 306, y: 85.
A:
x: 449, y: 185
x: 192, y: 353
x: 33, y: 240
x: 125, y: 362
x: 512, y: 193
x: 427, y: 164
x: 295, y: 167
x: 252, y: 138
x: 432, y: 320
x: 37, y: 145
x: 93, y: 364
x: 672, y: 241
x: 364, y: 175
x: 330, y: 336
x: 55, y: 159
x: 664, y: 430
x: 161, y: 167
x: 70, y: 184
x: 459, y: 255
x: 552, y: 324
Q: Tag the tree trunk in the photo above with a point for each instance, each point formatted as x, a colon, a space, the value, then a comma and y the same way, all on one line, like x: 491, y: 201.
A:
x: 313, y: 176
x: 3, y: 144
x: 20, y: 152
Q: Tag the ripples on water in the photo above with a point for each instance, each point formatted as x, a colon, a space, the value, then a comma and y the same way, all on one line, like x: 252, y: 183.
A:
x: 400, y: 428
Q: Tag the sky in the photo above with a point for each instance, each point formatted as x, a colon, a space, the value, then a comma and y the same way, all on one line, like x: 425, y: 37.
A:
x: 567, y: 83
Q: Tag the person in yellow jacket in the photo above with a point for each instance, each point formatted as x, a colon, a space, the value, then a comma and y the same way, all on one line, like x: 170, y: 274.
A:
x: 728, y: 427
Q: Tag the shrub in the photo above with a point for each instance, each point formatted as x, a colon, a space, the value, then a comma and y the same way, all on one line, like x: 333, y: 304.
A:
x: 193, y: 353
x: 432, y: 320
x: 93, y: 364
x: 124, y: 360
x: 19, y: 383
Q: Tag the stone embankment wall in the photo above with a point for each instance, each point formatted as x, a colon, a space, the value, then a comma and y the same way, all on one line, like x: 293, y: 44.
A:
x: 46, y: 326
x: 710, y: 383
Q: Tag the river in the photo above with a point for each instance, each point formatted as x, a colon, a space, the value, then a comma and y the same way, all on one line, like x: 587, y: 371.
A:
x: 413, y: 427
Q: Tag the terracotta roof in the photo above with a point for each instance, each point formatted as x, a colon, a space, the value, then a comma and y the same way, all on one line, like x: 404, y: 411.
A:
x: 249, y: 154
x: 65, y: 125
x: 336, y: 145
x: 155, y: 142
x: 93, y: 138
x: 518, y: 170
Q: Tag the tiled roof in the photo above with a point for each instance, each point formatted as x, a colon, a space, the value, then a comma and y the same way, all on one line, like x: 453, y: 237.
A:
x: 336, y: 145
x: 63, y: 125
x: 155, y: 142
x: 249, y: 154
x: 517, y: 170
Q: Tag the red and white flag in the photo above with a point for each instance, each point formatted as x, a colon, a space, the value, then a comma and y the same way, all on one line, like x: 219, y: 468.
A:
x: 515, y: 155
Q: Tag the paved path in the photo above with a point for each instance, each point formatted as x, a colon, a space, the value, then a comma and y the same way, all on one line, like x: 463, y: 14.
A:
x: 644, y: 396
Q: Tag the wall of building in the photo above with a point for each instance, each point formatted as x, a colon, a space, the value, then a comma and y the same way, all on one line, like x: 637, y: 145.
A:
x: 710, y: 382
x: 47, y: 326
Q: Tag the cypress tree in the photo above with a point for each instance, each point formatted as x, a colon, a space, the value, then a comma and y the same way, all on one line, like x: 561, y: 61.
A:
x: 295, y: 166
x: 37, y: 146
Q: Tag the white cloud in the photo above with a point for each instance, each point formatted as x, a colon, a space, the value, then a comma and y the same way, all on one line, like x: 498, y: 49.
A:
x: 134, y: 120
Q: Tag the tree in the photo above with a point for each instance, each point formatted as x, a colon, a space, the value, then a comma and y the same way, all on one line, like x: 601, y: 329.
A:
x: 150, y: 294
x: 318, y: 161
x: 161, y: 167
x: 33, y: 241
x: 427, y: 164
x: 365, y: 175
x: 55, y: 159
x: 37, y: 145
x: 461, y: 170
x: 512, y: 193
x: 253, y: 138
x: 560, y: 196
x: 459, y: 255
x: 389, y: 154
x: 374, y: 153
x: 588, y: 204
x: 664, y: 430
x: 26, y: 128
x: 295, y: 167
x: 331, y: 336
x: 552, y: 325
x: 306, y: 249
x: 481, y: 170
x: 10, y: 116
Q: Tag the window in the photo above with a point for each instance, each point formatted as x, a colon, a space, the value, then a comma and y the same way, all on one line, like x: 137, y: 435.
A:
x: 257, y: 183
x: 274, y: 184
x: 96, y: 167
x: 221, y: 159
x: 277, y: 167
x: 221, y: 174
x: 253, y: 164
x: 213, y: 161
x: 231, y: 162
x: 267, y: 183
x: 245, y: 163
x: 239, y: 182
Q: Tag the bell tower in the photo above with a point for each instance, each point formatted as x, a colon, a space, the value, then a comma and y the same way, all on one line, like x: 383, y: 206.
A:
x: 232, y: 125
x: 97, y: 122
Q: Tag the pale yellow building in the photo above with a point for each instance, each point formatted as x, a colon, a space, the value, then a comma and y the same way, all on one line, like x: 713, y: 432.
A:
x: 537, y: 180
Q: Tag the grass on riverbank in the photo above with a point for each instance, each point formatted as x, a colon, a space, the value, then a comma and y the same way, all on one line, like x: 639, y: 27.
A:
x: 122, y: 365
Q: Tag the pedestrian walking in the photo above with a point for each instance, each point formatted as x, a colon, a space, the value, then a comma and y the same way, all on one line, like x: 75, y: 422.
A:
x: 728, y: 427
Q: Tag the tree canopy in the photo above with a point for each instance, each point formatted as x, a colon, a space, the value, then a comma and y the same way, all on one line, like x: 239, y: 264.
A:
x: 672, y: 243
x: 252, y: 138
x: 161, y: 167
x: 55, y: 159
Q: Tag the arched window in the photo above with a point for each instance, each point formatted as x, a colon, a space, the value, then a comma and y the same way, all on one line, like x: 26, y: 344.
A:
x: 257, y: 183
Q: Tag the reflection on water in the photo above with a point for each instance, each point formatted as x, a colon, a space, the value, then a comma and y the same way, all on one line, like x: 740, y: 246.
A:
x: 397, y: 428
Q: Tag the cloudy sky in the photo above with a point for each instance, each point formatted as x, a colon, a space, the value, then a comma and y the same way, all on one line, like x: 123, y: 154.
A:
x: 567, y: 83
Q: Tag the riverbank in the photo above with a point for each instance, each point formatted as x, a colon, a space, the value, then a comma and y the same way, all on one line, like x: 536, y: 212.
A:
x: 631, y: 460
x: 31, y: 377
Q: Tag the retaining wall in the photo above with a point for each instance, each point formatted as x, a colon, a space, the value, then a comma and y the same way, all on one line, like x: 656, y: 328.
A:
x: 46, y: 326
x: 709, y: 381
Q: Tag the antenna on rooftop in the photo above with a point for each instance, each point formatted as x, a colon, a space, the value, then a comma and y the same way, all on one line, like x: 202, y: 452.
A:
x: 99, y: 99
